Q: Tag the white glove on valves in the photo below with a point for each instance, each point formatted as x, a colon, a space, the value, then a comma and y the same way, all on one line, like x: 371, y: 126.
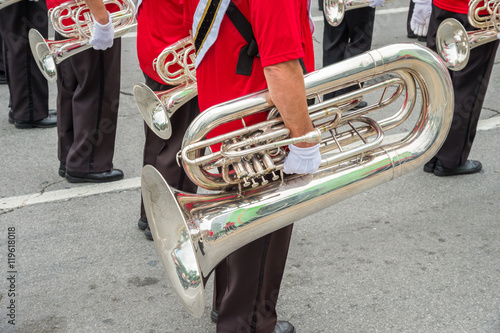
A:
x: 302, y: 160
x: 102, y: 35
x: 421, y: 17
x: 376, y: 3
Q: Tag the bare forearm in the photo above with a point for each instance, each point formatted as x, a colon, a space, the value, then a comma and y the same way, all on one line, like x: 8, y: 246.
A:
x: 98, y: 10
x: 287, y: 92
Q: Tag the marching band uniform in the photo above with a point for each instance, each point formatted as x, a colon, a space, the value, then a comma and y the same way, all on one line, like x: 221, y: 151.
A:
x: 250, y: 277
x: 160, y: 24
x: 28, y: 87
x: 469, y: 86
x: 88, y: 85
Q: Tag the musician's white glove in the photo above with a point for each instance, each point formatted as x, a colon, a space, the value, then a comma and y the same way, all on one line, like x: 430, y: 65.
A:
x: 102, y: 35
x: 302, y: 160
x: 376, y: 3
x: 421, y: 17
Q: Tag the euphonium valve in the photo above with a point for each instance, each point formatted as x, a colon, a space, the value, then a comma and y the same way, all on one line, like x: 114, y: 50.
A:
x: 194, y: 232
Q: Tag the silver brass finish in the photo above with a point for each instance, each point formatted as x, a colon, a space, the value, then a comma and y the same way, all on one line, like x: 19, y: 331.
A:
x: 49, y: 53
x: 194, y: 232
x: 454, y: 43
x: 334, y: 10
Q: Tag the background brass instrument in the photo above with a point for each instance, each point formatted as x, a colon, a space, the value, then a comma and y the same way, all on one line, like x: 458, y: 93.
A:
x: 49, y: 53
x: 454, y: 43
x: 175, y: 64
x: 157, y: 107
x: 5, y: 3
x: 334, y: 10
x: 194, y: 232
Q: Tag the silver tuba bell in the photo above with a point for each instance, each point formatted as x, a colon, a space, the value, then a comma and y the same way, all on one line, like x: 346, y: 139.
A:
x: 194, y: 232
x: 6, y: 3
x: 49, y: 53
x: 454, y: 43
x: 175, y: 66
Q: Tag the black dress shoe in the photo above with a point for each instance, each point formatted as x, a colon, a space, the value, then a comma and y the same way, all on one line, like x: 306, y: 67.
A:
x: 3, y: 78
x: 142, y: 223
x: 283, y: 327
x: 429, y: 166
x: 468, y: 167
x: 11, y: 114
x: 148, y: 234
x: 361, y: 105
x: 94, y: 177
x: 62, y: 169
x: 214, y: 316
x: 422, y: 39
x: 50, y: 121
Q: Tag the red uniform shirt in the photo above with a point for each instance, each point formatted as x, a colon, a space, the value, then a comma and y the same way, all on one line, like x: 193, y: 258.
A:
x: 159, y: 24
x: 281, y: 29
x: 455, y: 6
x: 54, y: 3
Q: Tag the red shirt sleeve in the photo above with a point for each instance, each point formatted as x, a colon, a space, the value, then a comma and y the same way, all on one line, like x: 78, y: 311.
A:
x: 277, y: 29
x: 455, y: 6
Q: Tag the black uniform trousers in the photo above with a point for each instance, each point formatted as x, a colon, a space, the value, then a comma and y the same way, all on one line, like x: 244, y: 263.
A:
x: 351, y: 37
x: 247, y: 284
x: 2, y: 56
x: 88, y: 85
x: 408, y: 19
x: 469, y: 86
x: 28, y: 88
x: 162, y: 153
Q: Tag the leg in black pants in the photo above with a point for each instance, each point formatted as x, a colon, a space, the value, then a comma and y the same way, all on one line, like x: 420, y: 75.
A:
x: 28, y: 87
x: 351, y: 37
x: 162, y: 153
x: 469, y: 86
x: 250, y: 280
x: 87, y: 101
x: 3, y: 77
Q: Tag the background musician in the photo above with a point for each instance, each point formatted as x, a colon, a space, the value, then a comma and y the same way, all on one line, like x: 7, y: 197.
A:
x: 233, y: 67
x: 160, y: 24
x: 469, y: 86
x: 88, y: 92
x: 29, y: 91
x: 351, y: 37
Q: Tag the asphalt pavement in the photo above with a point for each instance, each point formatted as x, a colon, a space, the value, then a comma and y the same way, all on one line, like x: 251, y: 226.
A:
x: 418, y: 254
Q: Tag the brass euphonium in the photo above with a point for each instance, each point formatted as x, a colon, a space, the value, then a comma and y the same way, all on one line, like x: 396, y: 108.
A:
x: 5, y: 3
x: 454, y: 43
x: 175, y: 66
x: 49, y: 53
x: 194, y: 232
x: 334, y: 10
